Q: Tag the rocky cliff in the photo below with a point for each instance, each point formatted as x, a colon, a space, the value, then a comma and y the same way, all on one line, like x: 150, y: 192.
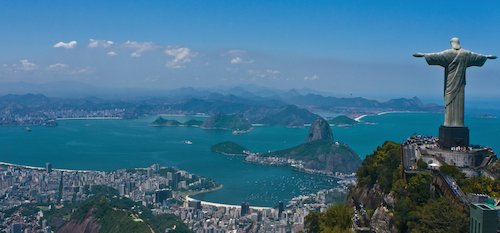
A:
x: 320, y: 130
x: 88, y: 225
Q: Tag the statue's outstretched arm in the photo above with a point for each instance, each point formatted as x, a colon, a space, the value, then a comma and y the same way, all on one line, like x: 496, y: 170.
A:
x: 419, y: 55
x: 491, y: 56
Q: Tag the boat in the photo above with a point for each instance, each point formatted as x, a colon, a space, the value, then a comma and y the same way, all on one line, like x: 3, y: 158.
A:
x: 188, y: 142
x: 28, y: 129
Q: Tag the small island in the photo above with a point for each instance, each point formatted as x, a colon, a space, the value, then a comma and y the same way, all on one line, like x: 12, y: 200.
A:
x: 160, y: 121
x: 233, y: 122
x: 342, y: 120
x: 193, y: 123
x: 229, y: 148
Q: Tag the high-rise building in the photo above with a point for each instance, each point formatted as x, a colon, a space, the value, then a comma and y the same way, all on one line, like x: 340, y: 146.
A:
x: 48, y: 167
x: 245, y: 208
x: 483, y: 218
x: 130, y: 186
x: 281, y: 208
x: 150, y: 172
x: 122, y: 190
x: 17, y: 228
x: 195, y: 204
x: 176, y: 179
x: 162, y: 195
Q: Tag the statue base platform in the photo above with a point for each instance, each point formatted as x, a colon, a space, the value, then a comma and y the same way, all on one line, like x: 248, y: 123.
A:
x: 453, y: 136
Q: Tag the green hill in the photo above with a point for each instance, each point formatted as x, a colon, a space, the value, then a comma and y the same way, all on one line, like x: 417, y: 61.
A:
x: 227, y: 122
x: 160, y: 121
x: 322, y: 155
x: 107, y: 212
x: 342, y: 120
x: 320, y: 152
x: 193, y: 122
x: 228, y: 148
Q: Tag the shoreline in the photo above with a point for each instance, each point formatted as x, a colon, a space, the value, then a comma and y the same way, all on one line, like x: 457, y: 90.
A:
x: 194, y: 193
x: 359, y: 118
x: 208, y: 203
x: 186, y: 196
x: 88, y: 118
x: 42, y: 168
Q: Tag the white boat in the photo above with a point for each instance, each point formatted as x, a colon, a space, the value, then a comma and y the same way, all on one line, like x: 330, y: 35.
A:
x: 188, y: 142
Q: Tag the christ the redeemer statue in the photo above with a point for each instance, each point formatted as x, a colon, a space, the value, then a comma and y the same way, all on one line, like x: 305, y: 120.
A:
x: 455, y: 62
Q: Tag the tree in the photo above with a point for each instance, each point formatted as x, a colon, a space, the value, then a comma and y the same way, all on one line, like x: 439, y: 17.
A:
x: 311, y: 222
x: 439, y: 216
x: 452, y: 171
x: 482, y: 184
x: 419, y: 187
x: 336, y: 216
x: 336, y: 219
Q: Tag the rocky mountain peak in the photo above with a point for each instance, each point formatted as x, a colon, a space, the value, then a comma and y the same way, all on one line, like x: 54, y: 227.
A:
x: 320, y: 130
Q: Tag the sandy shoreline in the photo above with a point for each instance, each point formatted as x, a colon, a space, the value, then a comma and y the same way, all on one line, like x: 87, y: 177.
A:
x: 359, y: 118
x: 42, y: 168
x: 89, y: 118
x: 207, y: 203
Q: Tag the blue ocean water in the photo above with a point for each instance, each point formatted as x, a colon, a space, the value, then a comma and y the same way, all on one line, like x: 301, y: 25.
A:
x: 114, y: 144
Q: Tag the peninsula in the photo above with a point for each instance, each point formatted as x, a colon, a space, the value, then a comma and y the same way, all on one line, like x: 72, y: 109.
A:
x: 320, y: 154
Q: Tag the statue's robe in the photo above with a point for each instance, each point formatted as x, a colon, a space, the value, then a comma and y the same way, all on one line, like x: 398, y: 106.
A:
x: 455, y: 62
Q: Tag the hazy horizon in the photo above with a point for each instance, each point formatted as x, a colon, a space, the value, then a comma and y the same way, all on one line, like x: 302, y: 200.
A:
x: 338, y: 48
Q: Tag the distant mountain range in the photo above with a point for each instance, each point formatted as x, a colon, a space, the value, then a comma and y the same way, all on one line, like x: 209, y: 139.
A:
x: 291, y: 108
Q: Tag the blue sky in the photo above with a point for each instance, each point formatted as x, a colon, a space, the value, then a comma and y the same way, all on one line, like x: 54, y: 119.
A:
x: 361, y: 48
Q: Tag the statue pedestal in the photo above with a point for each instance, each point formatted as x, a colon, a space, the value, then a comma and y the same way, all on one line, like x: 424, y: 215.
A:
x: 453, y: 136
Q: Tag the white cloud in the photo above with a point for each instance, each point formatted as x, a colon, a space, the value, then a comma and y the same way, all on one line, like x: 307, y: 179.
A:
x: 135, y: 54
x: 100, y: 43
x: 138, y: 47
x: 238, y: 57
x: 57, y: 67
x: 66, y: 45
x: 26, y: 65
x: 311, y: 78
x: 111, y: 53
x: 180, y: 56
x: 239, y: 60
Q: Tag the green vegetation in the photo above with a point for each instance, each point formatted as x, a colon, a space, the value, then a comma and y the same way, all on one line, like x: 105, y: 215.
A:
x: 438, y: 216
x: 115, y: 214
x: 481, y: 184
x: 228, y: 148
x: 382, y: 167
x: 322, y: 155
x: 337, y: 218
x: 416, y: 208
x: 421, y: 164
x: 160, y: 121
x: 342, y: 120
x: 227, y: 122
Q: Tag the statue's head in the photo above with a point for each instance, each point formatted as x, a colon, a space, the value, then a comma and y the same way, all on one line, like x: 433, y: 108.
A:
x: 455, y: 43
